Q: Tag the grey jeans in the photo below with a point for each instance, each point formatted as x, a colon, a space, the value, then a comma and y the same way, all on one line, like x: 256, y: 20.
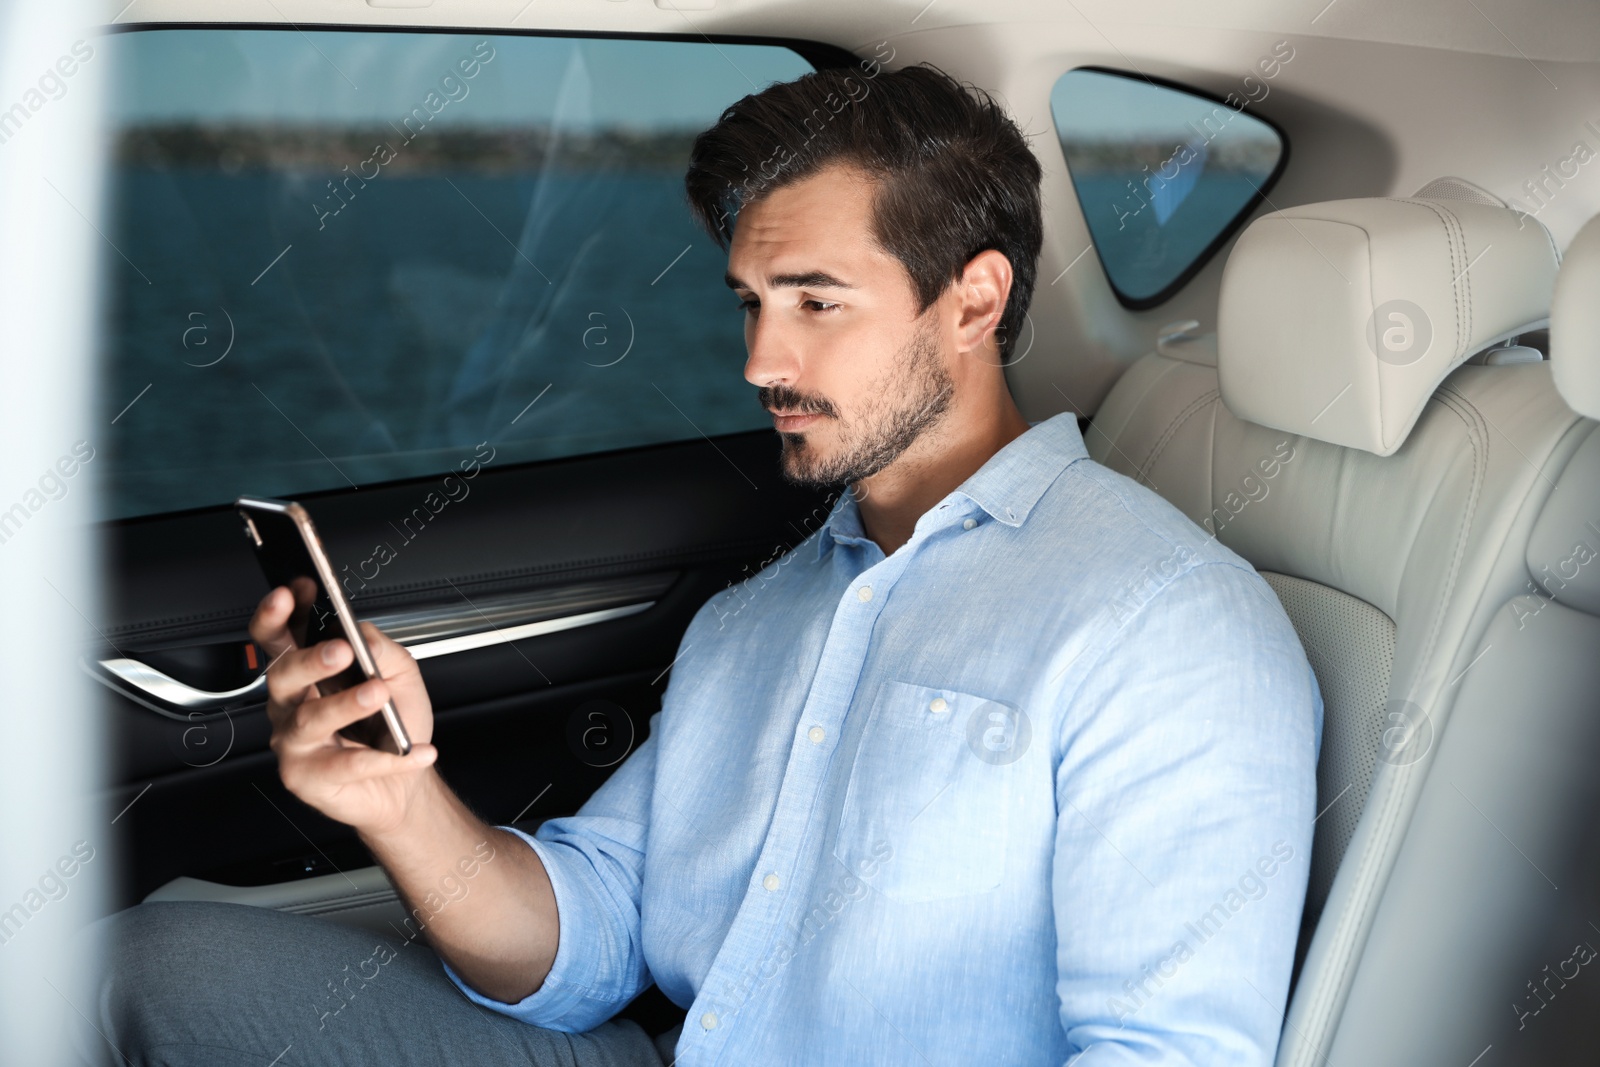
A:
x: 198, y: 983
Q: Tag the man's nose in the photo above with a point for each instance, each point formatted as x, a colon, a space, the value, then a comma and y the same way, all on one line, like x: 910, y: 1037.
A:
x: 774, y: 358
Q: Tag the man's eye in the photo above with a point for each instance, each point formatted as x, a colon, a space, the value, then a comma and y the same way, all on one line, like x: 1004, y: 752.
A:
x: 820, y: 305
x: 749, y: 306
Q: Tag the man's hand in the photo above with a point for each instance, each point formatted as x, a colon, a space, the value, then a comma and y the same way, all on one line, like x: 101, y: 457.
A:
x: 371, y: 790
x: 504, y: 943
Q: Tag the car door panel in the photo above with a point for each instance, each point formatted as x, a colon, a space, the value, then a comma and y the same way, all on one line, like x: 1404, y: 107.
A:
x: 652, y: 532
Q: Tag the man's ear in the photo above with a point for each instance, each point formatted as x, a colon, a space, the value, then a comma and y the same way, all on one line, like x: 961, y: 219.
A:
x: 982, y: 289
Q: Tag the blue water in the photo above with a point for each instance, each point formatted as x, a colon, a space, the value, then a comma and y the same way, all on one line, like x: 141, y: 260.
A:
x: 1143, y: 254
x: 405, y: 330
x: 427, y: 314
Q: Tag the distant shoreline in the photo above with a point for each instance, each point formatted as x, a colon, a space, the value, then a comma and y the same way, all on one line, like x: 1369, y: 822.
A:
x: 275, y: 148
x: 237, y: 147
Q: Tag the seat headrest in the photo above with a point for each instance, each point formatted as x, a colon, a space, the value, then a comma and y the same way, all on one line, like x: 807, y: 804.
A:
x: 1575, y: 323
x: 1338, y: 320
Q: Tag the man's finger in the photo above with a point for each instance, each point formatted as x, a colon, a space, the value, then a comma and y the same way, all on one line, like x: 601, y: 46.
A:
x: 293, y: 671
x: 269, y: 626
x: 336, y: 768
x: 390, y: 656
x: 316, y: 721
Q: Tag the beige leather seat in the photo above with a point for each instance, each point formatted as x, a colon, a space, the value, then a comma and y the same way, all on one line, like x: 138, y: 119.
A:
x: 1401, y: 502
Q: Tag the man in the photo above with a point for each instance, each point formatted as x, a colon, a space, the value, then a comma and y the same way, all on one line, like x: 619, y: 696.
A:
x: 1006, y: 762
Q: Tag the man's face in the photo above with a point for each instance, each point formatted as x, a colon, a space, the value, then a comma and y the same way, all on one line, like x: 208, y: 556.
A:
x: 850, y: 370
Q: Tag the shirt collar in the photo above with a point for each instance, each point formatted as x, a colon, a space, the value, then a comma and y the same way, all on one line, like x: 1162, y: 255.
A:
x: 1007, y: 486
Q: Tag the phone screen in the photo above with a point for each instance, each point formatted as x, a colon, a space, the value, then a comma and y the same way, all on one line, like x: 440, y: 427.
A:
x: 286, y: 560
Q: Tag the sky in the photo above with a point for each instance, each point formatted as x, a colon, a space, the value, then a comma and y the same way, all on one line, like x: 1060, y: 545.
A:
x: 1095, y: 104
x: 339, y: 77
x: 344, y: 77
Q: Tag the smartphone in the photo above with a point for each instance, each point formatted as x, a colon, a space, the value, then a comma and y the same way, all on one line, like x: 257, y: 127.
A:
x: 291, y: 554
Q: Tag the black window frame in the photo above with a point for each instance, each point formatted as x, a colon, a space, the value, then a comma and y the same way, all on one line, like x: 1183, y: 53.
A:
x: 818, y: 53
x: 1226, y: 234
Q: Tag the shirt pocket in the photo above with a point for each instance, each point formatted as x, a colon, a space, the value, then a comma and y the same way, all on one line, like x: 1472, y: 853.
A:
x: 926, y: 809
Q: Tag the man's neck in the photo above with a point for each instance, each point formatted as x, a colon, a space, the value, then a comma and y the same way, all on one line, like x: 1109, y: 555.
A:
x: 892, y: 500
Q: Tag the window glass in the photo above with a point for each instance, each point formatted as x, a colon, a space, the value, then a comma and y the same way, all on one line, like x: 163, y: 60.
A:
x: 1163, y: 176
x: 350, y: 257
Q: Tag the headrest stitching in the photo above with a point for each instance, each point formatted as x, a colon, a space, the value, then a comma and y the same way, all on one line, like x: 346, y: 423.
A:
x: 1465, y: 277
x: 1556, y: 253
x: 1455, y: 237
x: 1457, y: 256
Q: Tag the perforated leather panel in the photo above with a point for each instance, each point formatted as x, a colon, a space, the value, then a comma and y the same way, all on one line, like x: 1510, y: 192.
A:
x: 1350, y: 645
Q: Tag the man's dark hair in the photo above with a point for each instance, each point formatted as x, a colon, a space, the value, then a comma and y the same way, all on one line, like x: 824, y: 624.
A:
x: 955, y: 174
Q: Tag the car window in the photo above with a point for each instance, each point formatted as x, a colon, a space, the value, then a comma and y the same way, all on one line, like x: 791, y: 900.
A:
x: 1163, y: 176
x: 352, y: 257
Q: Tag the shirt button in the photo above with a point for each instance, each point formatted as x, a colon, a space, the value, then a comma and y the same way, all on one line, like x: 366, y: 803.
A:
x: 709, y: 1020
x: 771, y: 883
x: 864, y: 594
x: 969, y: 524
x: 938, y: 704
x: 816, y: 733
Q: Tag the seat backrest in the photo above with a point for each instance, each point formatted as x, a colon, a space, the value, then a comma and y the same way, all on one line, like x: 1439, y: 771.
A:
x: 1385, y: 489
x: 1497, y: 885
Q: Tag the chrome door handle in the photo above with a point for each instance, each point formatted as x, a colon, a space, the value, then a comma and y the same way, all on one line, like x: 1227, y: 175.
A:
x: 425, y: 634
x: 161, y: 692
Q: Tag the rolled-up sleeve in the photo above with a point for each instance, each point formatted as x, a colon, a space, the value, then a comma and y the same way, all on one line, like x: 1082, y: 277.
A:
x: 1186, y: 794
x: 595, y: 861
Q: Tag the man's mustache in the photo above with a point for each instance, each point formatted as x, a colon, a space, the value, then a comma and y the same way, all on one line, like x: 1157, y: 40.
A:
x: 792, y: 402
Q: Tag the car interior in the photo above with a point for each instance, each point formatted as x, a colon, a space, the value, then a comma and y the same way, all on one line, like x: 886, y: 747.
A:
x: 1323, y: 276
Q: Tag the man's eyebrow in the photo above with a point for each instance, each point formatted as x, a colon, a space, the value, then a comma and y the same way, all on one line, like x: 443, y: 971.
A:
x: 812, y: 279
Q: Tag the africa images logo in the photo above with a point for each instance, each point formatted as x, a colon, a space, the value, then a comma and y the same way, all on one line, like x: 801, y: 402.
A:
x: 1399, y: 332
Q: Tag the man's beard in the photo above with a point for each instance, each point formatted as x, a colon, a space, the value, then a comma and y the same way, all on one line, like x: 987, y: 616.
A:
x: 914, y: 397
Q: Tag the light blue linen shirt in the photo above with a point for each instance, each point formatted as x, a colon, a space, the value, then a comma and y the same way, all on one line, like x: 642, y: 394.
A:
x: 1040, y: 782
